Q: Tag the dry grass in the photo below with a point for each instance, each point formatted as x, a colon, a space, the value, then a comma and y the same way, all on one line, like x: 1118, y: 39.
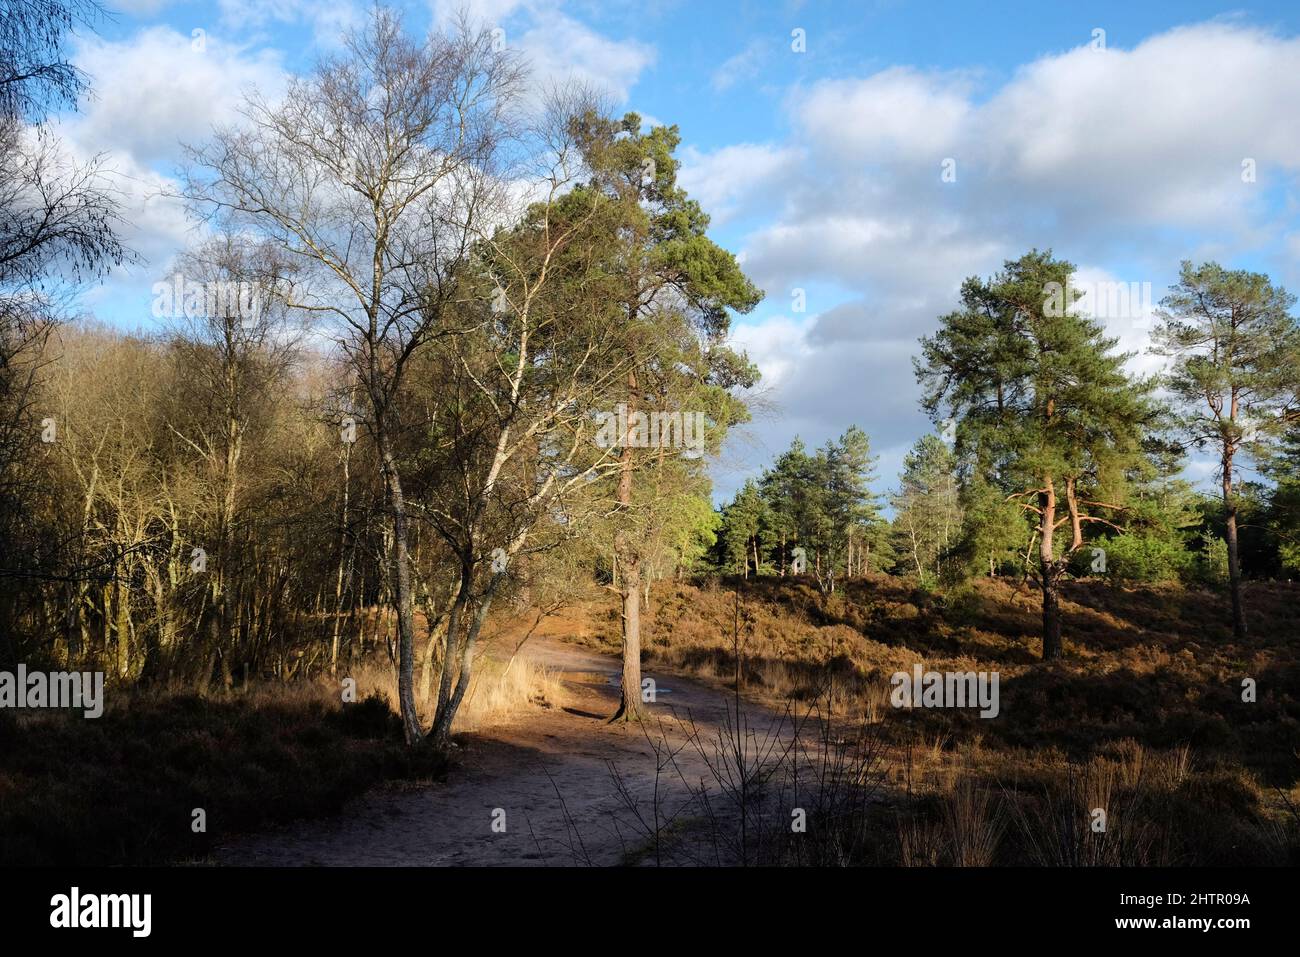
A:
x: 121, y: 789
x: 1143, y: 718
x: 975, y: 821
x: 501, y: 693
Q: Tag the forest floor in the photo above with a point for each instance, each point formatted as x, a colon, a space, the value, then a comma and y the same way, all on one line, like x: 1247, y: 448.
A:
x: 1145, y: 717
x: 554, y: 785
x: 1156, y: 714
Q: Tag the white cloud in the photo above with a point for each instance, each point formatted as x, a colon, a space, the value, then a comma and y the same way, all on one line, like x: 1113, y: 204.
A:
x: 814, y: 391
x: 899, y: 115
x: 896, y: 254
x: 1105, y: 156
x: 328, y: 20
x: 155, y: 90
x: 744, y: 65
x: 1156, y: 133
x: 1125, y: 306
x: 776, y: 346
x: 724, y: 179
x: 1124, y: 161
x: 559, y: 49
x: 482, y: 11
x: 1089, y: 149
x: 151, y: 222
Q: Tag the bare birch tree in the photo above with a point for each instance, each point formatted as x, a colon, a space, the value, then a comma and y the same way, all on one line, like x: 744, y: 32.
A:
x: 374, y: 170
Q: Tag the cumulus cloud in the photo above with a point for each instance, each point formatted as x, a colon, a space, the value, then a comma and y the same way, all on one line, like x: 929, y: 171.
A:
x: 152, y: 223
x: 868, y: 252
x: 153, y: 91
x: 1156, y: 134
x: 328, y: 21
x: 900, y: 116
x: 727, y: 182
x: 1090, y: 150
x: 156, y: 90
x: 816, y: 392
x: 742, y: 66
x: 1125, y: 308
x: 778, y: 346
x: 1124, y: 161
x: 557, y: 47
x: 560, y: 49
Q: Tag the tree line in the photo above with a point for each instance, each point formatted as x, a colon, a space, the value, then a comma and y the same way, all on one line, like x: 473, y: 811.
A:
x: 451, y: 290
x: 1058, y: 461
x: 445, y: 288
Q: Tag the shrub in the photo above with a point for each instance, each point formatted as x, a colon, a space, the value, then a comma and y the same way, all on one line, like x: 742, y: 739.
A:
x: 1147, y: 558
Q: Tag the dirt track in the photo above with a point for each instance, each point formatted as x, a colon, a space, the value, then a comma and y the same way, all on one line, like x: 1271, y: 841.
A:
x: 551, y: 772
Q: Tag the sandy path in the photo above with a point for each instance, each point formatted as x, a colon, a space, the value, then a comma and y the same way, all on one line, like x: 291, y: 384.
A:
x: 549, y: 771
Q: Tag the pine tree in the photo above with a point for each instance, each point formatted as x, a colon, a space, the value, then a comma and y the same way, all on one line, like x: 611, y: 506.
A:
x: 1042, y: 396
x: 1236, y: 352
x: 676, y: 291
x: 994, y: 531
x: 744, y: 522
x: 1283, y: 467
x: 1159, y: 526
x: 850, y: 520
x: 786, y: 488
x: 927, y: 511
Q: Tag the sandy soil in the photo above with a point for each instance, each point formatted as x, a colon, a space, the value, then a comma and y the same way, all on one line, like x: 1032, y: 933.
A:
x: 555, y: 774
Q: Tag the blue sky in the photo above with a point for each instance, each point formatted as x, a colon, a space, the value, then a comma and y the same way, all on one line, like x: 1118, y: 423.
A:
x: 824, y: 169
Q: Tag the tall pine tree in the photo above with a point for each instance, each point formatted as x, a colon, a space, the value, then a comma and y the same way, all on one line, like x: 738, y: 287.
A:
x: 1040, y: 392
x: 677, y: 290
x: 1236, y: 355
